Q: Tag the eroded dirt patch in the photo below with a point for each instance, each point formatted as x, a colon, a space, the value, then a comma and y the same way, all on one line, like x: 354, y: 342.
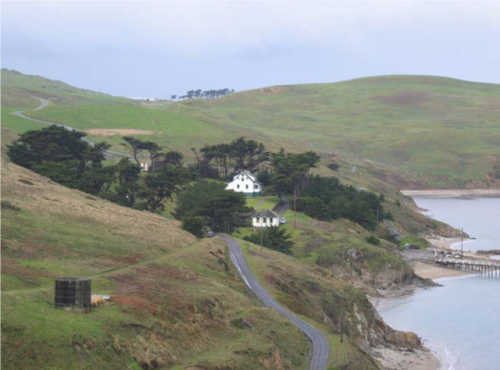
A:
x: 406, y: 97
x: 121, y: 132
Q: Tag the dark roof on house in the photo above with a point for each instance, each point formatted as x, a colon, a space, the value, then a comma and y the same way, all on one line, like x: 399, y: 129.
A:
x: 158, y: 164
x: 266, y: 213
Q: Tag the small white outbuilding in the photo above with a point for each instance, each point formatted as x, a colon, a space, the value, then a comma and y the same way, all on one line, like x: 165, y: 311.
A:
x: 246, y: 183
x: 265, y: 218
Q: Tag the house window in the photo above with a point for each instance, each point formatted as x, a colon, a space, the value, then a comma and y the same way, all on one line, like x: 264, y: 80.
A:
x: 257, y: 219
x: 256, y: 186
x: 238, y: 186
x: 264, y: 220
x: 271, y: 220
x: 242, y: 178
x: 246, y: 186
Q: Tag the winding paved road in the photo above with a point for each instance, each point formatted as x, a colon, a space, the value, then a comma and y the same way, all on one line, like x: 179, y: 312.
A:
x: 44, y: 102
x: 320, y: 348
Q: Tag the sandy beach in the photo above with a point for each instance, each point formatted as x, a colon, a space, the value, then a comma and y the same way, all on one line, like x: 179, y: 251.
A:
x: 454, y: 192
x: 392, y: 359
x: 428, y: 271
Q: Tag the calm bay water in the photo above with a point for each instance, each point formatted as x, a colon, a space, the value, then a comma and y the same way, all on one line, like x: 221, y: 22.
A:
x: 461, y: 319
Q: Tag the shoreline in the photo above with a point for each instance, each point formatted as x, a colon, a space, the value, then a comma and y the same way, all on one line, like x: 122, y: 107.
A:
x: 453, y: 192
x: 424, y: 267
x: 392, y: 358
x: 424, y: 358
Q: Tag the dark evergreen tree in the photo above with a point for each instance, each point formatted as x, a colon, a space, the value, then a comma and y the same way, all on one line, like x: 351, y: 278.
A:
x: 134, y: 146
x: 194, y: 225
x: 221, y: 209
x: 274, y: 238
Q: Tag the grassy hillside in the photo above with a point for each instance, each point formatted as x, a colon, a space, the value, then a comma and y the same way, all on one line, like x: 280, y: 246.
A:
x: 175, y: 302
x: 412, y: 131
x: 439, y: 131
x: 19, y: 89
x: 341, y: 246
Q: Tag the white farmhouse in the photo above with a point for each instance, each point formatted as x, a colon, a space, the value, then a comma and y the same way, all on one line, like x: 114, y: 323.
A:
x: 245, y: 183
x: 265, y: 218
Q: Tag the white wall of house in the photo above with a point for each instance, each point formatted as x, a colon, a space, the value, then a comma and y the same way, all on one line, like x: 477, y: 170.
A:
x: 244, y: 183
x: 265, y: 221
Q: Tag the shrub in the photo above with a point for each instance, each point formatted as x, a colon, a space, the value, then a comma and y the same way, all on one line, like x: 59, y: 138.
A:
x: 194, y: 225
x: 333, y: 166
x: 273, y: 238
x: 27, y: 182
x: 9, y: 205
x: 373, y: 240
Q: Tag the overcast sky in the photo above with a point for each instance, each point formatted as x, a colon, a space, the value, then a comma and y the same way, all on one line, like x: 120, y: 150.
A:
x: 155, y: 49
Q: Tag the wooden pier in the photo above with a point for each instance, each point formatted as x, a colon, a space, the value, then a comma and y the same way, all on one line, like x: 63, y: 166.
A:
x: 483, y: 268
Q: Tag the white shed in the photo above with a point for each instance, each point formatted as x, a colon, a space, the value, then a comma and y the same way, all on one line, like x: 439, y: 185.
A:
x: 265, y: 218
x: 246, y: 183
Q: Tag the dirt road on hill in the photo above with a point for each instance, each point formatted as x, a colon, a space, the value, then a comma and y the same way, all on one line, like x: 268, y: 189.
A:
x: 44, y: 102
x: 320, y: 348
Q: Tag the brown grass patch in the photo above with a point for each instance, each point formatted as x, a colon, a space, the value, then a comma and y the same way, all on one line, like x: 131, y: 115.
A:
x: 405, y: 97
x: 121, y: 132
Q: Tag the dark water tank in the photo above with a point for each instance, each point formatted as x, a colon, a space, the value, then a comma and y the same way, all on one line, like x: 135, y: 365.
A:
x: 73, y: 294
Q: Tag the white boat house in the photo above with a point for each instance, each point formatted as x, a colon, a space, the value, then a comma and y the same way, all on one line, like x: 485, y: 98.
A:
x: 246, y: 183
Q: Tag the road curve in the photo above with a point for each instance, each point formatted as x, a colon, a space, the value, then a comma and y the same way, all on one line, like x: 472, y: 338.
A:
x: 43, y: 104
x: 320, y: 348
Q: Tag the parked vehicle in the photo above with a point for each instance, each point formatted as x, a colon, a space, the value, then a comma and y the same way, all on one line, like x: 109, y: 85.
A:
x: 283, y: 221
x: 210, y: 234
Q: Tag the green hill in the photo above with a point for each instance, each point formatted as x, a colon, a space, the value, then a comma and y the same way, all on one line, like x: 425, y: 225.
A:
x: 411, y: 131
x: 438, y: 132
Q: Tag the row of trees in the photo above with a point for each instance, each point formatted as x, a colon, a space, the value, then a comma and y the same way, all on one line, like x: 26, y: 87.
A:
x: 61, y: 155
x: 64, y: 157
x: 222, y: 160
x: 327, y: 199
x: 207, y: 94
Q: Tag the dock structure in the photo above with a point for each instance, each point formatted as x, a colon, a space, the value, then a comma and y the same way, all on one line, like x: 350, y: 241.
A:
x: 483, y: 268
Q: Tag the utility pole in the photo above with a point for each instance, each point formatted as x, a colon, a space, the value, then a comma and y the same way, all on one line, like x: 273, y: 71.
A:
x: 261, y: 241
x: 341, y: 319
x: 462, y: 241
x: 294, y: 211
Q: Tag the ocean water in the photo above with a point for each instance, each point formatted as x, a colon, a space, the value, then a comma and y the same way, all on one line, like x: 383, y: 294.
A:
x: 460, y: 320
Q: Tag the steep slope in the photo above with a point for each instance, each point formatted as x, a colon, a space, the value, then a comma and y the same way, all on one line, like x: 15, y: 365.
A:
x: 174, y: 300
